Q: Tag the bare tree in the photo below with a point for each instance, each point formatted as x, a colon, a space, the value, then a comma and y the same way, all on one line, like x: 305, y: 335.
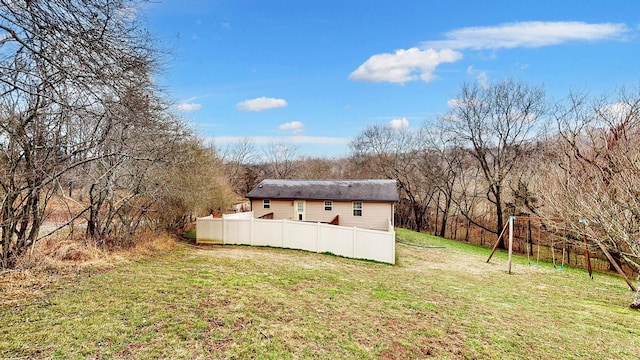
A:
x: 391, y: 153
x: 237, y: 159
x: 280, y: 160
x: 594, y: 177
x: 191, y: 183
x: 496, y: 124
x: 64, y: 65
x: 319, y: 168
x: 443, y: 159
x: 126, y: 177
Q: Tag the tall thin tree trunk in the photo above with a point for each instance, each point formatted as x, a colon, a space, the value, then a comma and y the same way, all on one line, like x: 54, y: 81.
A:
x: 445, y: 213
x: 435, y: 230
x: 530, y: 239
x: 500, y: 223
x: 455, y: 228
x: 466, y: 234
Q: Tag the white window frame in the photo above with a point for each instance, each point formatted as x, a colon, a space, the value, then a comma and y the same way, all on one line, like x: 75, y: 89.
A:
x: 357, y: 208
x: 266, y: 204
x: 328, y: 205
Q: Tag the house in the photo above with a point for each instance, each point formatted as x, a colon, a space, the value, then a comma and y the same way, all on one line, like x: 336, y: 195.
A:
x: 365, y: 204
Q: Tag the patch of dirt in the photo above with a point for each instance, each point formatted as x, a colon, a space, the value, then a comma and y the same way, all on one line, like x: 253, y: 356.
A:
x: 426, y: 260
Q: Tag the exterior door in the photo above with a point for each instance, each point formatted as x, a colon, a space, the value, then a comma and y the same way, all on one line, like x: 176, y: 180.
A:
x: 299, y: 208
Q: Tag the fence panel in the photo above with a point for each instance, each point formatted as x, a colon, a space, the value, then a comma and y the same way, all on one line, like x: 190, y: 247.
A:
x: 237, y: 232
x: 239, y: 216
x: 266, y: 233
x: 338, y: 240
x: 300, y: 235
x: 209, y: 230
x: 375, y: 245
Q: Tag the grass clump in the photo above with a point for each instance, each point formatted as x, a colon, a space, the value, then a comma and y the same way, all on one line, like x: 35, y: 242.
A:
x: 244, y: 302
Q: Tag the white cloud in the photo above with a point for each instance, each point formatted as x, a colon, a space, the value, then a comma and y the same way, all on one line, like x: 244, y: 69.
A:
x: 402, y: 123
x: 282, y: 139
x: 483, y: 79
x: 190, y: 104
x: 294, y: 126
x: 261, y: 104
x: 454, y: 103
x: 619, y: 110
x: 186, y: 107
x: 420, y: 63
x: 527, y: 34
x: 404, y: 65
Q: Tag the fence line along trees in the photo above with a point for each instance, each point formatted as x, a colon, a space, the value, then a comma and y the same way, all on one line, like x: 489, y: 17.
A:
x: 594, y: 179
x: 496, y: 124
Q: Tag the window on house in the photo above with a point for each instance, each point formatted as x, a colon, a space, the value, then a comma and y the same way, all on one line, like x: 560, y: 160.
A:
x: 357, y: 208
x: 266, y: 203
x: 328, y: 205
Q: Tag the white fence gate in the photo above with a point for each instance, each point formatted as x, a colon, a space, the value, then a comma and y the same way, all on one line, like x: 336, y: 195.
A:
x: 351, y: 242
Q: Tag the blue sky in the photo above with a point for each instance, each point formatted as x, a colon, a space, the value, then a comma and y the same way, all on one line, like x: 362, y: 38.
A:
x: 314, y: 74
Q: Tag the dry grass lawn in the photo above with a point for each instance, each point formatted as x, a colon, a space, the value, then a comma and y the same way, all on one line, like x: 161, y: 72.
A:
x: 227, y: 302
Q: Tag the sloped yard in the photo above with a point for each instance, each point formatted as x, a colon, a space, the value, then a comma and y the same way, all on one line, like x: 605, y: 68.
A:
x: 241, y: 302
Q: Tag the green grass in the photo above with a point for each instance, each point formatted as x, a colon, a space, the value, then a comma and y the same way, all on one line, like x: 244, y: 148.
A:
x: 244, y: 302
x: 191, y: 234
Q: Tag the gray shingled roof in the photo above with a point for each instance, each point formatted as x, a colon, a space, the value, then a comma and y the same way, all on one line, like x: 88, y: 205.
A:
x: 363, y: 190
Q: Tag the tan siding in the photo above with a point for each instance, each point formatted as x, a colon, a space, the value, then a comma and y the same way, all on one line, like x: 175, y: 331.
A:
x: 281, y: 209
x: 375, y: 215
x: 316, y: 212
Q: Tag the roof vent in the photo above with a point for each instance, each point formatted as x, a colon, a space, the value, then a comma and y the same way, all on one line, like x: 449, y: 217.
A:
x: 260, y: 186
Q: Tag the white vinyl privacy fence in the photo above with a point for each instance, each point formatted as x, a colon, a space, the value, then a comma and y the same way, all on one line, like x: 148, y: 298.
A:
x: 243, y: 229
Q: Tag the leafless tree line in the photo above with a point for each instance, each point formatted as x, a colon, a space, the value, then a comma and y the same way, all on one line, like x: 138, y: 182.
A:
x: 85, y: 132
x: 502, y: 150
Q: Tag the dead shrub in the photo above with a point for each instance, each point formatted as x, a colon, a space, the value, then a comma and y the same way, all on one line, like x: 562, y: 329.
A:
x: 72, y: 251
x: 57, y: 257
x: 148, y: 243
x: 60, y: 254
